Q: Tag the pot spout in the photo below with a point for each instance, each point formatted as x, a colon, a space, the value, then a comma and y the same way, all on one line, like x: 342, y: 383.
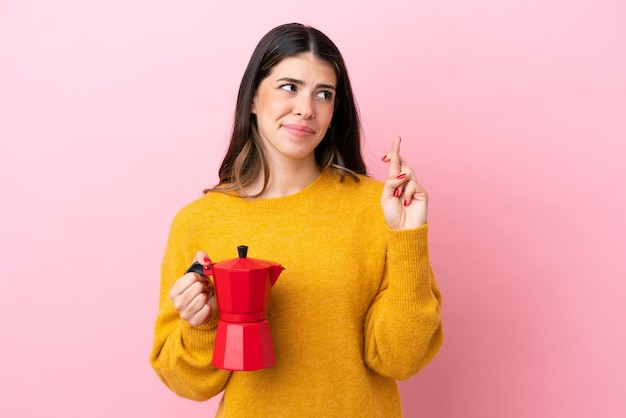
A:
x: 275, y: 270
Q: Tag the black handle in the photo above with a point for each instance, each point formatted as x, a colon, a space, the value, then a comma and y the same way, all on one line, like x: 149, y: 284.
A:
x: 196, y: 268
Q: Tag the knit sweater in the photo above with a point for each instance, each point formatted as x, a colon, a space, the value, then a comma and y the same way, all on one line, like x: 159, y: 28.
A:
x: 356, y: 308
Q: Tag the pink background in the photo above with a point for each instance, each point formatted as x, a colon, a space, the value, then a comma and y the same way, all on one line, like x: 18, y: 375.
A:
x: 114, y: 114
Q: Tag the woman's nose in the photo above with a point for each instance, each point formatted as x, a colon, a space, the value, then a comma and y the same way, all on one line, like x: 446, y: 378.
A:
x: 303, y: 107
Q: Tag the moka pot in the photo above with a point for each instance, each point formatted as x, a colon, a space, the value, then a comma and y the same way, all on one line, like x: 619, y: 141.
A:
x: 242, y: 287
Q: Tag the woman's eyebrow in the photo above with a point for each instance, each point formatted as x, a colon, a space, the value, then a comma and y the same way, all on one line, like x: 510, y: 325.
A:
x: 302, y: 83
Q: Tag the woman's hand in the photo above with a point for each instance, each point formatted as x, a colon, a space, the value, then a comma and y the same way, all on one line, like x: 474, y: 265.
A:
x: 193, y: 295
x: 404, y: 201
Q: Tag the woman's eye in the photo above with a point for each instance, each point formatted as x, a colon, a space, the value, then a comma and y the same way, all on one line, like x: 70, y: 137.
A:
x: 326, y: 95
x: 288, y: 87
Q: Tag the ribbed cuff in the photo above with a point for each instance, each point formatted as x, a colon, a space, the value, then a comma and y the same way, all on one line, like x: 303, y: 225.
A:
x: 408, y: 268
x: 202, y: 337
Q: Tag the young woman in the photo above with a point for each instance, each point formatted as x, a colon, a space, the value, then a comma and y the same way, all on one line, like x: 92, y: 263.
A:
x: 357, y: 307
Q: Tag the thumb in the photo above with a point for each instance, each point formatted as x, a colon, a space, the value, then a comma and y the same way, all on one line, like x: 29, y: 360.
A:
x: 203, y: 259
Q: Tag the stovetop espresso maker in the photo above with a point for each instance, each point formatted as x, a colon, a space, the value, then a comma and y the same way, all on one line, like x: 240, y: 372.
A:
x: 242, y: 289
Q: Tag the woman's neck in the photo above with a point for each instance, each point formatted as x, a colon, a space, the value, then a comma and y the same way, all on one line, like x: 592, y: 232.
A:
x: 285, y: 180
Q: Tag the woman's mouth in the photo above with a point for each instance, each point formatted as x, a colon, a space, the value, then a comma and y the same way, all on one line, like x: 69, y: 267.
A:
x: 299, y: 130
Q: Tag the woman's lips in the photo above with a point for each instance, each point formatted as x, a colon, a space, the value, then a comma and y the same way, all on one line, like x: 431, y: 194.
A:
x: 299, y: 130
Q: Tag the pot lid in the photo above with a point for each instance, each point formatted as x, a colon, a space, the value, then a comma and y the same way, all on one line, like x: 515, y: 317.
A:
x: 243, y: 262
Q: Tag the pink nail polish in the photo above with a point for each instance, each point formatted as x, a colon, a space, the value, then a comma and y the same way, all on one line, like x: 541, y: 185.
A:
x: 401, y: 176
x: 384, y: 158
x: 396, y: 193
x: 406, y: 203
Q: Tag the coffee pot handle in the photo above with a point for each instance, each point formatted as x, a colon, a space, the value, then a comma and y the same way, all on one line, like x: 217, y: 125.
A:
x: 200, y: 269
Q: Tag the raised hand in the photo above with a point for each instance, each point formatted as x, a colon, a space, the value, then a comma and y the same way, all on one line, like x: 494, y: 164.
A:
x: 404, y: 201
x: 193, y: 295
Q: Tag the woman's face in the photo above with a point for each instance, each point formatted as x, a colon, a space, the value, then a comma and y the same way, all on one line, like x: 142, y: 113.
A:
x: 294, y: 106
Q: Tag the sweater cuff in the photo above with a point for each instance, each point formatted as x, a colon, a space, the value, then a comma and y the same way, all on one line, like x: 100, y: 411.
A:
x: 408, y: 268
x: 202, y: 337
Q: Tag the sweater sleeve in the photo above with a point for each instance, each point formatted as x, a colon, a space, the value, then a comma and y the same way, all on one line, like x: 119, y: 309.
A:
x: 403, y: 330
x: 181, y: 353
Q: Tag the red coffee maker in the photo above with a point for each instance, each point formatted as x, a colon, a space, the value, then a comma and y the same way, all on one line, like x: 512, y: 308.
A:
x: 242, y: 289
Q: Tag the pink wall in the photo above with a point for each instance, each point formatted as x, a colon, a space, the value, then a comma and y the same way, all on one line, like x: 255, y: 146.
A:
x: 113, y: 114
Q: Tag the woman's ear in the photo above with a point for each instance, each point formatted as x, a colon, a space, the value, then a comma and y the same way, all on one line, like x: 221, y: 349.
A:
x: 252, y: 103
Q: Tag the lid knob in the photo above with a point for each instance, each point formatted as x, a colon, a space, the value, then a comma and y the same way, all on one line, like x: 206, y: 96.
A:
x: 243, y: 251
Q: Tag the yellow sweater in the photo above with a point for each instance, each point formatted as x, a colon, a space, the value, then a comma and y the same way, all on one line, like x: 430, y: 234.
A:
x: 356, y: 308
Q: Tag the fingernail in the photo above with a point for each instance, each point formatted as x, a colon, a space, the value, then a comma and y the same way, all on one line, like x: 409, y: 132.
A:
x: 406, y: 203
x: 396, y: 193
x: 385, y: 158
x: 207, y: 260
x: 401, y: 176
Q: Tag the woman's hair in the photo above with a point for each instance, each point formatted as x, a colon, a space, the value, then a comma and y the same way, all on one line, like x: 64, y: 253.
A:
x: 340, y: 149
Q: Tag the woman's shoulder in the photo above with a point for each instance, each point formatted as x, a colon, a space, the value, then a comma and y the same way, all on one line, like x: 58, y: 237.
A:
x: 359, y: 183
x: 207, y: 203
